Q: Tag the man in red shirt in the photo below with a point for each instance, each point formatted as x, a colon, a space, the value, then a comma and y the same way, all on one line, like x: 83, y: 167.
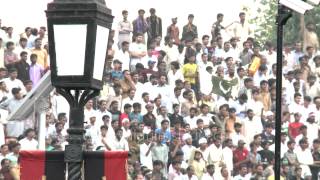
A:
x: 240, y: 155
x: 295, y: 126
x: 125, y: 114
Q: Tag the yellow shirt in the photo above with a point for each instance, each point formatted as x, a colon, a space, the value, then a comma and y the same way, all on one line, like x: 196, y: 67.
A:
x: 190, y: 70
x: 42, y: 57
x: 199, y: 168
x: 272, y: 178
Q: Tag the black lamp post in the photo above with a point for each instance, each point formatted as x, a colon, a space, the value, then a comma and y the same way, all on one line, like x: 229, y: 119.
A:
x: 78, y: 36
x: 283, y: 15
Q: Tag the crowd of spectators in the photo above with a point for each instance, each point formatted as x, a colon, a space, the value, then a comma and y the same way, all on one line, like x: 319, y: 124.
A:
x: 185, y: 107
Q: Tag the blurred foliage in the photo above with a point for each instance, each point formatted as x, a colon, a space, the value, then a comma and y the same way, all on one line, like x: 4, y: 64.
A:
x: 265, y: 21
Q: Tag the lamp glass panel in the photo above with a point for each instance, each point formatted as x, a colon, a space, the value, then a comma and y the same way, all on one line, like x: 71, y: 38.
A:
x: 100, y: 52
x: 70, y: 46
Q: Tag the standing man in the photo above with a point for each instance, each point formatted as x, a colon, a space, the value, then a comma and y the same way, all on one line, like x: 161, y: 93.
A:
x: 190, y: 31
x: 173, y: 31
x: 23, y: 67
x: 155, y: 26
x: 41, y: 53
x: 125, y: 28
x: 123, y: 55
x: 138, y: 51
x: 15, y: 127
x: 242, y: 29
x: 140, y: 25
x: 216, y: 27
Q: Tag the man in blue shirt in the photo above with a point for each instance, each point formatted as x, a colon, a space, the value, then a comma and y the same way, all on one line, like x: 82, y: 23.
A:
x: 165, y: 131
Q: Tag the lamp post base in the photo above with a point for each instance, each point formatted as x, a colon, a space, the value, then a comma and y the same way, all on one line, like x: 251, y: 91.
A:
x: 74, y: 151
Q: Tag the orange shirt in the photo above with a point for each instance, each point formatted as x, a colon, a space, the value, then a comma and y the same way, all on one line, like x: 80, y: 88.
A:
x: 42, y: 57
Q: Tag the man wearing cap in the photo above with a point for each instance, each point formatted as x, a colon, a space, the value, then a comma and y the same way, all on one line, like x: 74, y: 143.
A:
x: 190, y: 31
x: 312, y: 127
x: 203, y: 147
x: 92, y: 130
x: 155, y: 26
x: 240, y: 155
x: 147, y: 72
x: 116, y: 72
x: 187, y: 148
x: 140, y: 25
x: 125, y: 28
x: 173, y: 31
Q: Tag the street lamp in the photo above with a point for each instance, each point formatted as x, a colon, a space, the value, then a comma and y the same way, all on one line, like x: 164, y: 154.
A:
x: 78, y: 32
x: 285, y: 9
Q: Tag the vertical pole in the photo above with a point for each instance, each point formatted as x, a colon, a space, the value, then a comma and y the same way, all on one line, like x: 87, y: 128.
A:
x: 73, y: 151
x: 42, y: 131
x: 282, y: 18
x: 277, y: 163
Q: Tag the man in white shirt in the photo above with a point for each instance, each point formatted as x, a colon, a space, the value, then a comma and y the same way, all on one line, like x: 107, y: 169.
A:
x: 123, y: 55
x: 23, y: 47
x: 187, y: 148
x: 270, y: 54
x: 172, y: 53
x: 243, y: 173
x: 205, y: 115
x: 130, y: 99
x: 120, y: 143
x: 255, y: 103
x: 93, y: 130
x: 260, y: 75
x: 102, y: 111
x: 304, y: 156
x: 237, y: 135
x: 125, y: 28
x: 145, y: 152
x: 205, y: 76
x: 228, y: 154
x: 138, y: 50
x: 242, y: 29
x: 163, y: 89
x: 190, y: 175
x: 216, y: 154
x: 176, y: 174
x: 296, y: 106
x: 13, y: 82
x: 29, y: 143
x: 252, y: 126
x: 313, y: 127
x: 14, y: 127
x: 192, y: 118
x: 209, y: 175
